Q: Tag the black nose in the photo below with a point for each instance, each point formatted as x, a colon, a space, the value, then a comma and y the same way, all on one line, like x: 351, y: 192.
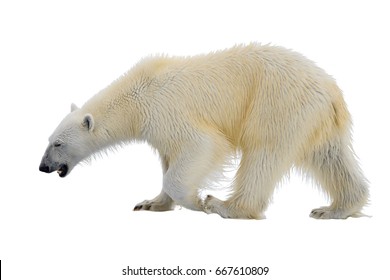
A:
x: 44, y: 168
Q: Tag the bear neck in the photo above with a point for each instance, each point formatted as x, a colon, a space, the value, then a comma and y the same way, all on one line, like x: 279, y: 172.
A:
x: 116, y: 113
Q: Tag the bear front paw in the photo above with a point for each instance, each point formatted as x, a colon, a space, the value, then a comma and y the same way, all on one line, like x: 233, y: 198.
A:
x: 329, y: 213
x: 212, y: 204
x: 152, y: 205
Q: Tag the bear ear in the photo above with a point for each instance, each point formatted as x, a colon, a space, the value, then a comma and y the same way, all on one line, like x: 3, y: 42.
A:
x: 73, y: 107
x: 88, y: 122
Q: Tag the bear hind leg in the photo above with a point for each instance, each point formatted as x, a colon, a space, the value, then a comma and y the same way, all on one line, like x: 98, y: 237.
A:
x: 336, y: 169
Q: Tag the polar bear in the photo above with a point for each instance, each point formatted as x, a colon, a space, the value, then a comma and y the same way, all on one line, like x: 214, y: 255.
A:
x: 270, y: 104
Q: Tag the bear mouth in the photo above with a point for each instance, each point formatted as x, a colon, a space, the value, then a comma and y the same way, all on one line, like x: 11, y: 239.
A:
x: 63, y: 170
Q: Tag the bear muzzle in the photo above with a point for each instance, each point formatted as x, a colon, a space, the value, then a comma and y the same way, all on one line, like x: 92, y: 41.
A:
x: 62, y: 169
x: 44, y: 168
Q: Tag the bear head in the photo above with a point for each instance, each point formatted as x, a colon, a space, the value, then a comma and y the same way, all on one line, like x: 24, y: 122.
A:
x: 70, y: 143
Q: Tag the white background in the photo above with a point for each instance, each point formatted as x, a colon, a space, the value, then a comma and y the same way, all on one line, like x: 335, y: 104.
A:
x: 83, y: 227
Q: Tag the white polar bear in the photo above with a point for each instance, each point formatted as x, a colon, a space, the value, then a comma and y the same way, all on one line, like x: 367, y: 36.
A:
x: 270, y: 104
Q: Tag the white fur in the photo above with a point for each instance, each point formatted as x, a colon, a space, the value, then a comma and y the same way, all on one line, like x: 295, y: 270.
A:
x: 272, y: 105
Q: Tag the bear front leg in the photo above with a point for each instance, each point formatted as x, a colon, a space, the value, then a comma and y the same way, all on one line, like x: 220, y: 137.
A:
x: 255, y: 181
x: 162, y: 202
x: 189, y: 172
x: 183, y: 186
